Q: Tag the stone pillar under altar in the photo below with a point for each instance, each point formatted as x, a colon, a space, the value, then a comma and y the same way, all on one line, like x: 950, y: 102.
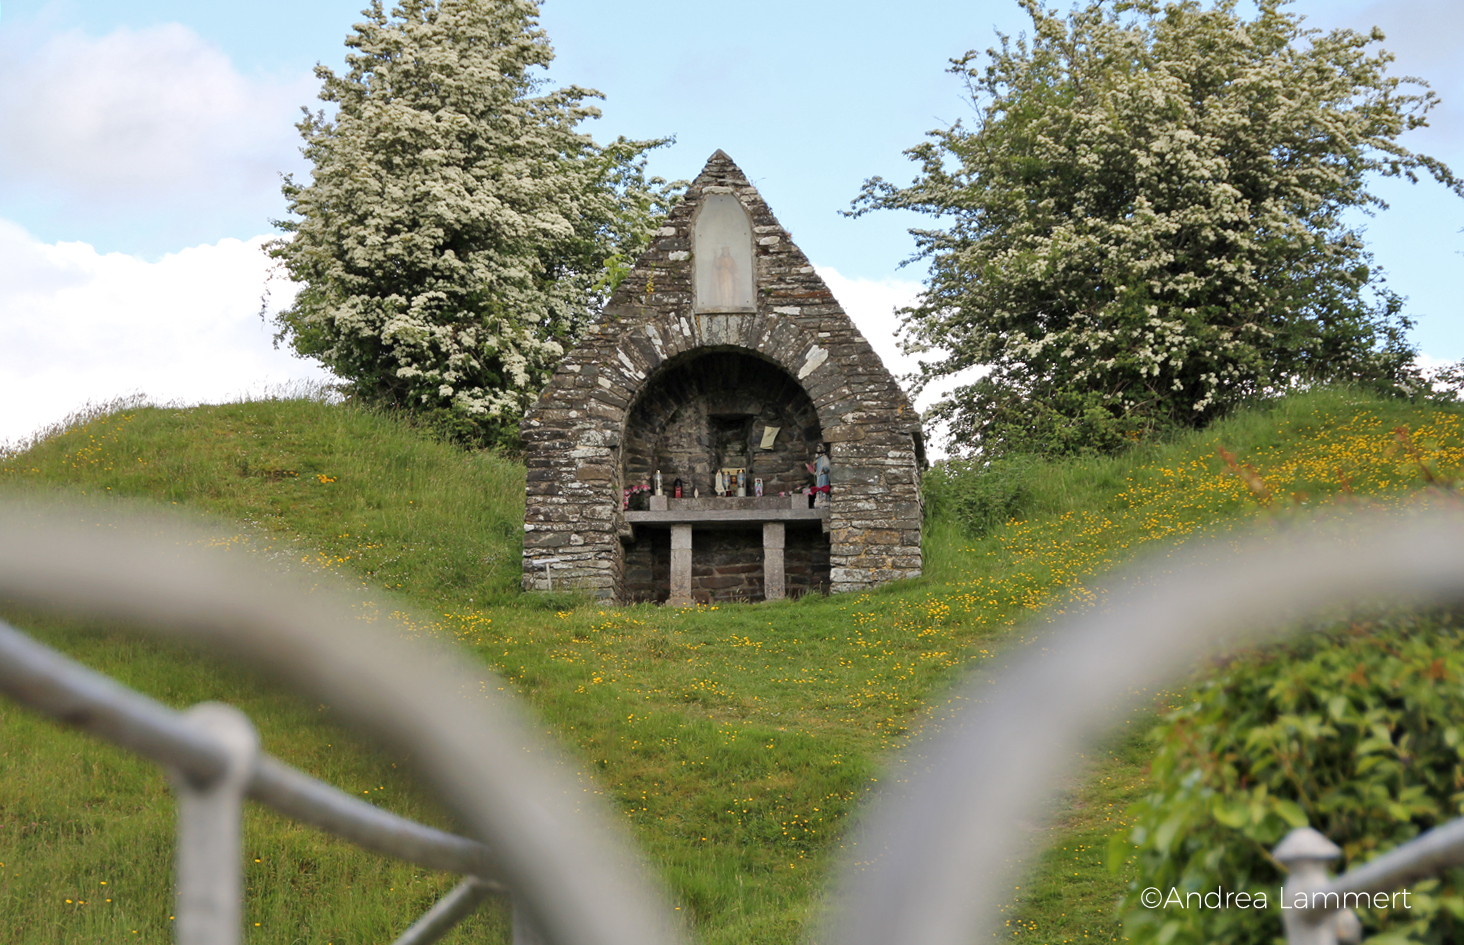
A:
x: 774, y: 536
x: 680, y: 566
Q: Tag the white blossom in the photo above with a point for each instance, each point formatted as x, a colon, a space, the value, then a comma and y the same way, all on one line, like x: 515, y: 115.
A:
x: 452, y: 237
x: 1146, y: 222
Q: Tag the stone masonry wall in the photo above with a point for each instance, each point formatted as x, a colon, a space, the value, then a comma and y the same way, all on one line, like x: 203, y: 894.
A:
x: 576, y: 432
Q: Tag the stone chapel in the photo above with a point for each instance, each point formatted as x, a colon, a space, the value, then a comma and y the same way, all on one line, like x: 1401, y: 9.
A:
x: 722, y: 350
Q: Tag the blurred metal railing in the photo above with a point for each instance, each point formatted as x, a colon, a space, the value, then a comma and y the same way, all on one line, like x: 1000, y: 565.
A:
x: 212, y: 756
x: 533, y: 830
x: 935, y: 856
x: 1322, y: 915
x: 941, y: 849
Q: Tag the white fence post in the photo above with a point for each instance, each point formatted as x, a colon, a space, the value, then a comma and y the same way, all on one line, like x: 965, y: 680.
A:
x: 1305, y: 853
x: 210, y: 878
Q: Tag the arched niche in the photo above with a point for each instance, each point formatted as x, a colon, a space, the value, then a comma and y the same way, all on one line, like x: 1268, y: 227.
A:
x: 707, y: 412
x: 722, y: 248
x: 711, y: 411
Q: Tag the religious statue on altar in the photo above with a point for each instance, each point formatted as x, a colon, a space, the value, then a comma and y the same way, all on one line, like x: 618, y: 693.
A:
x: 819, y: 468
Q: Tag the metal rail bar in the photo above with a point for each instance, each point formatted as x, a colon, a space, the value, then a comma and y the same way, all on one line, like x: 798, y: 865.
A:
x: 43, y: 679
x: 313, y: 802
x: 447, y: 912
x: 1425, y: 855
x: 571, y: 870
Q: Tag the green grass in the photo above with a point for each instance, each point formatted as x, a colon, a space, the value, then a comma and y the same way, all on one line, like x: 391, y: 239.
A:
x: 1070, y: 893
x: 735, y: 740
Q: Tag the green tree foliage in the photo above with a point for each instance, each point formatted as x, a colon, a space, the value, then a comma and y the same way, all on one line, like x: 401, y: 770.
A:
x: 1356, y: 733
x: 1149, y: 222
x: 458, y: 231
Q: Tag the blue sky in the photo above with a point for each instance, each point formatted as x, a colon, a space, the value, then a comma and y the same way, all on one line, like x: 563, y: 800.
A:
x: 133, y: 130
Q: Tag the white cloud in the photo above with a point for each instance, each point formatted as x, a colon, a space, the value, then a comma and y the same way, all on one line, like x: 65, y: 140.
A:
x: 77, y: 326
x: 156, y: 114
x: 1430, y: 363
x: 872, y: 303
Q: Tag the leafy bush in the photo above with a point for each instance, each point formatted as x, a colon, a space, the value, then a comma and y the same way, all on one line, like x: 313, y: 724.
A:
x: 1445, y: 383
x: 980, y: 496
x: 1355, y: 732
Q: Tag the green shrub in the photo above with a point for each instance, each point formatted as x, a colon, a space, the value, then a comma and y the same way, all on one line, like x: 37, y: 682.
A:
x: 468, y: 431
x: 1355, y: 732
x: 980, y: 496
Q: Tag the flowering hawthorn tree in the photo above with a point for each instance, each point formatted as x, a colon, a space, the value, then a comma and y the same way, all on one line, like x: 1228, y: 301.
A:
x: 458, y: 231
x: 1149, y: 222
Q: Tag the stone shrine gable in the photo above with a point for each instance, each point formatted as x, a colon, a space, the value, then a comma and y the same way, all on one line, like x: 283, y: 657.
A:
x: 721, y: 350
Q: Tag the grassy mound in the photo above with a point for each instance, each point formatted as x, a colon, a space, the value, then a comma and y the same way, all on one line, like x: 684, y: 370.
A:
x: 736, y: 740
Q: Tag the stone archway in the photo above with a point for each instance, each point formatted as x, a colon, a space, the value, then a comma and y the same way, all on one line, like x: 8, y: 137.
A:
x: 709, y: 410
x: 714, y: 408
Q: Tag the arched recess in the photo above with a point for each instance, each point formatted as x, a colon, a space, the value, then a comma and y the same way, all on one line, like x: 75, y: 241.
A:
x: 725, y: 275
x: 707, y: 410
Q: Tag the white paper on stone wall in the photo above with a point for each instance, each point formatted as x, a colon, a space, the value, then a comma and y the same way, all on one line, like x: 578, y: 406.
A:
x: 770, y: 434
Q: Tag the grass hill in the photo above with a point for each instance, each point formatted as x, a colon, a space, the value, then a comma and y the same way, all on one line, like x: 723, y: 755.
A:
x: 736, y: 740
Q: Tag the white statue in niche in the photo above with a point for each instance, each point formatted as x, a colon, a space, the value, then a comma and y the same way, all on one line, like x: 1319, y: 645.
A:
x: 722, y: 241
